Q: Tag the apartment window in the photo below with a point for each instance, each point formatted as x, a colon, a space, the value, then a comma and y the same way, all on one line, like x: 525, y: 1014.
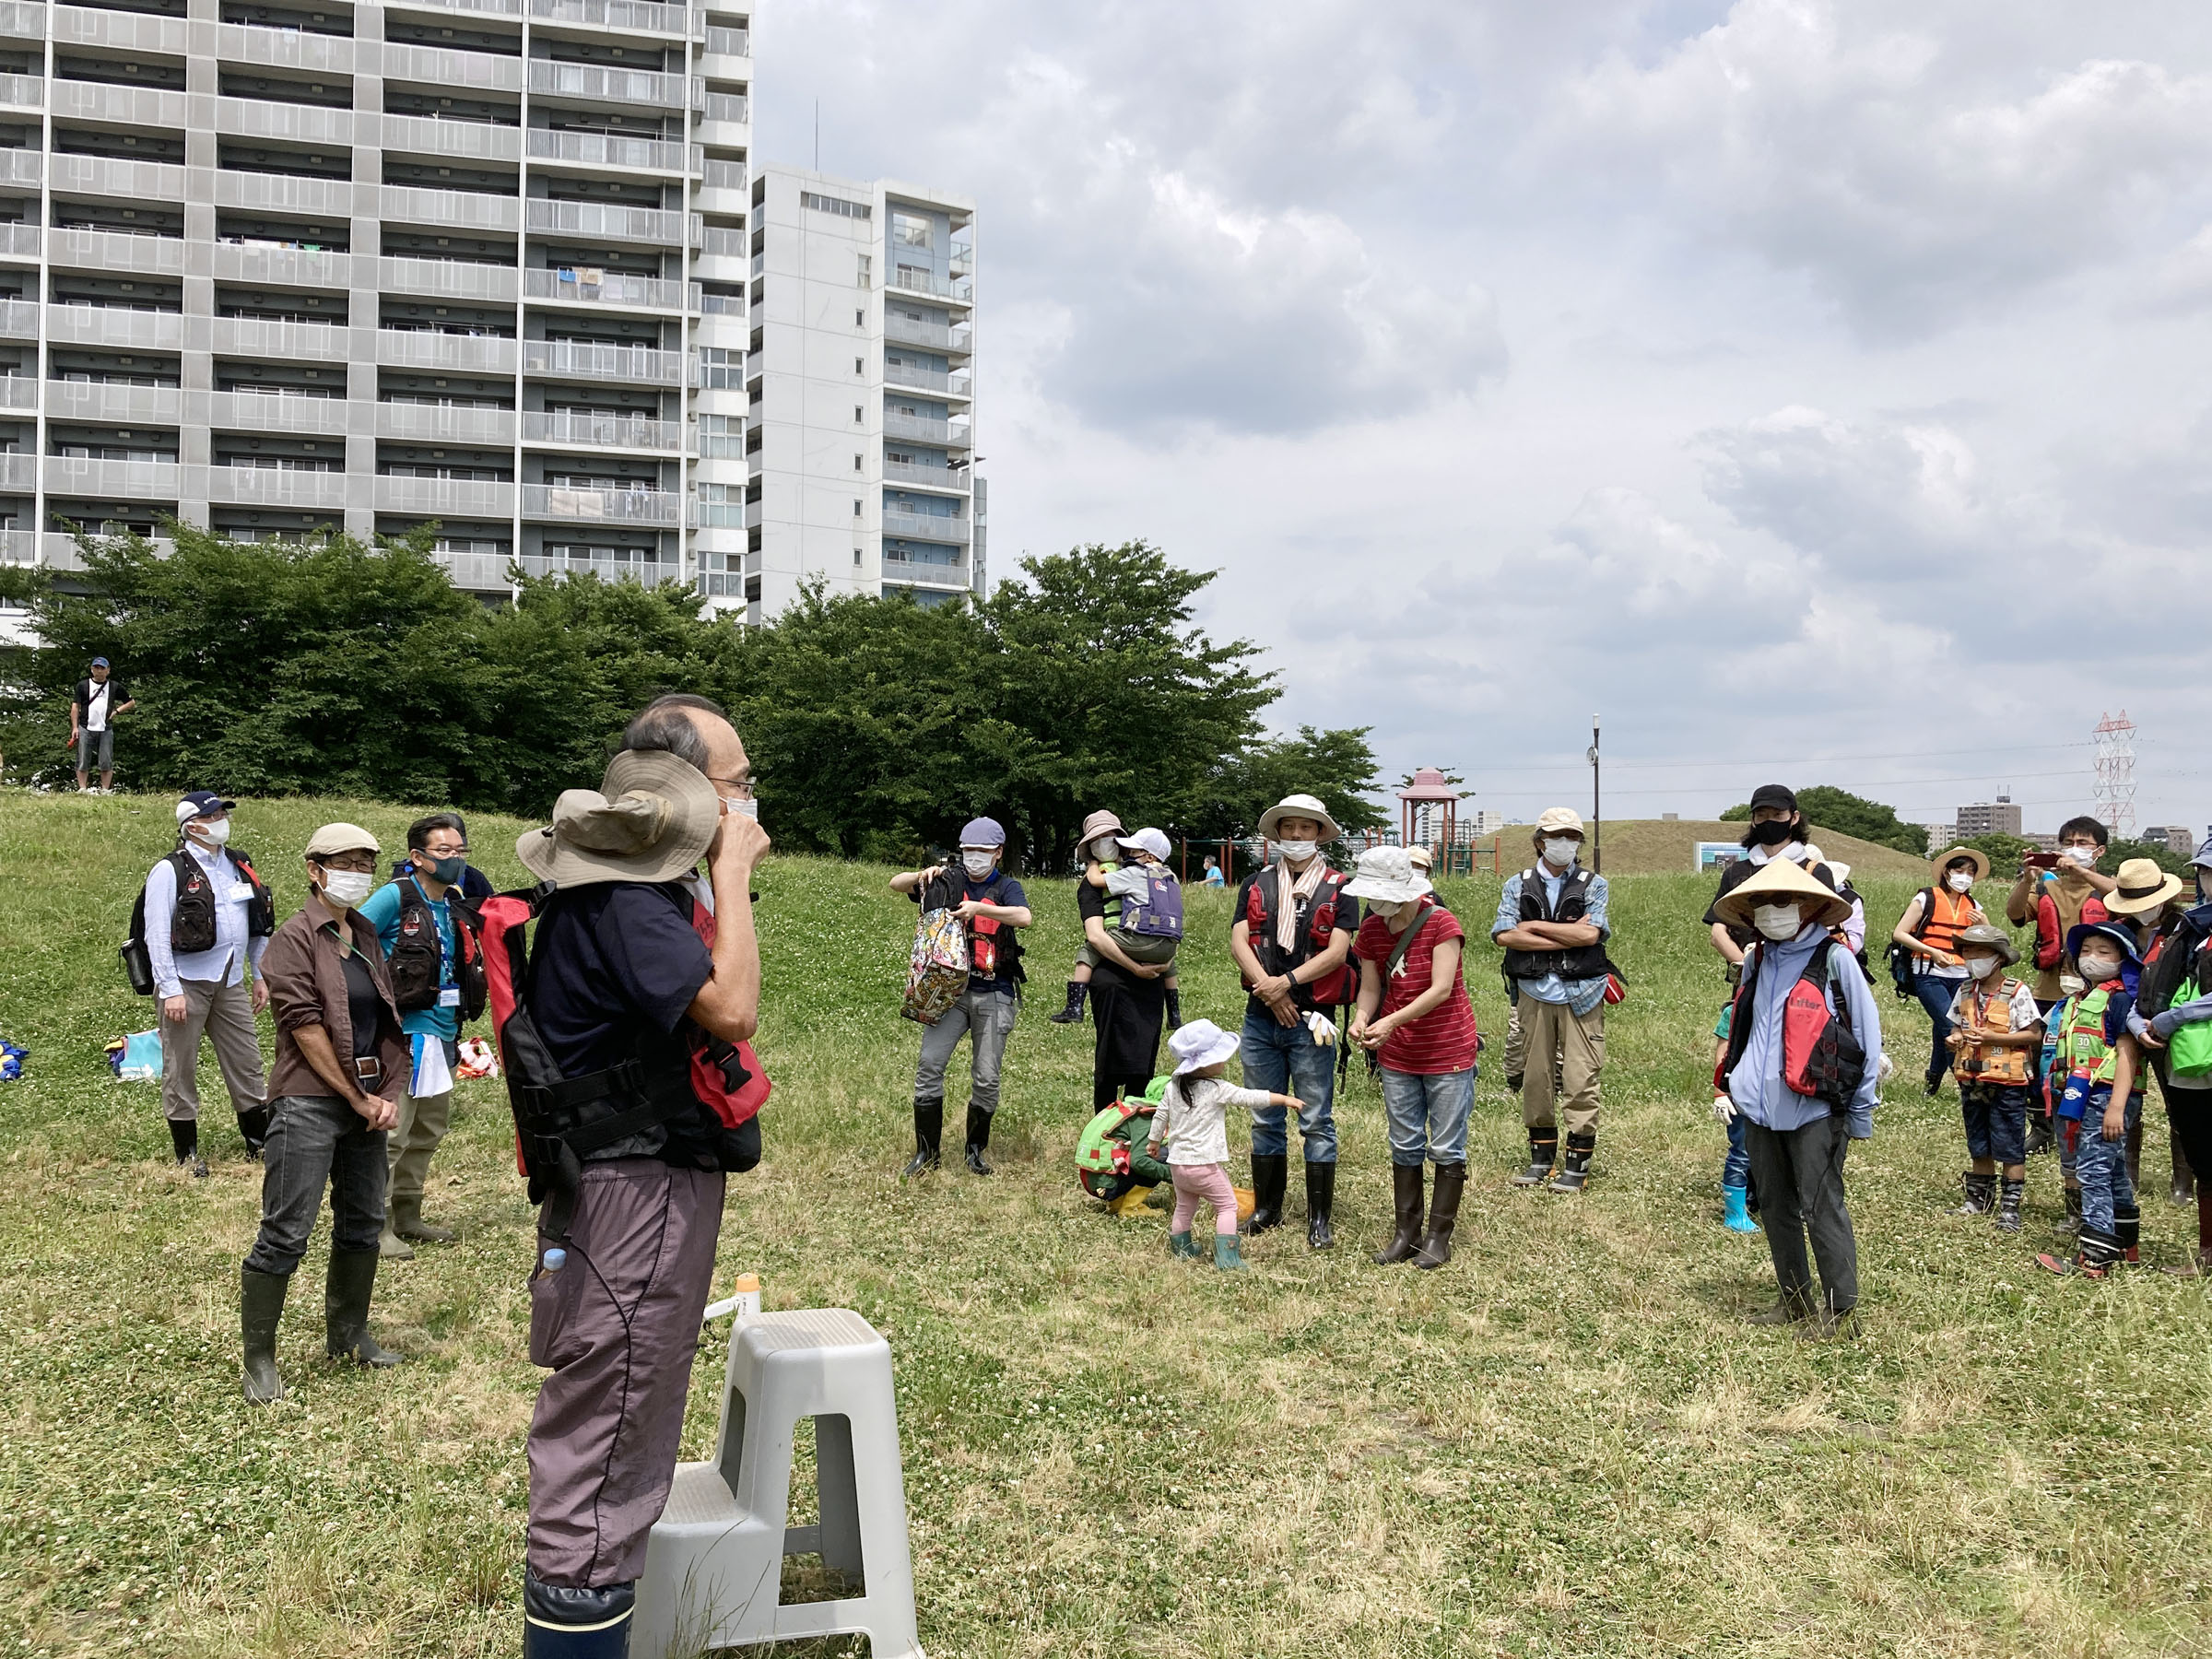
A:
x: 721, y: 505
x: 720, y: 436
x: 911, y: 231
x: 857, y: 417
x: 867, y: 270
x: 721, y: 367
x: 856, y: 509
x: 860, y: 365
x: 752, y: 590
x: 856, y: 557
x: 856, y: 467
x: 837, y: 205
x: 859, y: 318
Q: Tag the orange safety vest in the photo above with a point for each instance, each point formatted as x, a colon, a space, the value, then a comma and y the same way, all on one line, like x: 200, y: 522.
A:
x: 1946, y: 914
x: 1991, y: 1011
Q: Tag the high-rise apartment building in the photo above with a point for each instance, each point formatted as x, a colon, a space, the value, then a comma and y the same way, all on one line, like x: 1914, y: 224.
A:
x: 270, y: 268
x: 2000, y: 816
x: 861, y: 446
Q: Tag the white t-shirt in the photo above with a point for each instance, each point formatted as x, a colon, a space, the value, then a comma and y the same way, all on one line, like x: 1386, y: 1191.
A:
x: 1191, y: 1120
x: 96, y: 710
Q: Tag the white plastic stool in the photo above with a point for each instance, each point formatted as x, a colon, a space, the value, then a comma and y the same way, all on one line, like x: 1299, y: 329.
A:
x: 713, y: 1567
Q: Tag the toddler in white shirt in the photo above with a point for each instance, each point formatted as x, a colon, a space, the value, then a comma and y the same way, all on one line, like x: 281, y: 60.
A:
x: 1192, y: 1124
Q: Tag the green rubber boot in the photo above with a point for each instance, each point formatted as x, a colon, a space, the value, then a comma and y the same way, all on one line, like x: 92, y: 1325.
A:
x: 1226, y: 1256
x: 1180, y: 1245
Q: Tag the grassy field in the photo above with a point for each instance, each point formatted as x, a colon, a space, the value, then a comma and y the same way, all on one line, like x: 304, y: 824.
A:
x: 1566, y: 1443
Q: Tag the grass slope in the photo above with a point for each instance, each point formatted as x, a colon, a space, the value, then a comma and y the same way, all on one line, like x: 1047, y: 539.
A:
x: 1567, y: 1443
x: 1668, y: 847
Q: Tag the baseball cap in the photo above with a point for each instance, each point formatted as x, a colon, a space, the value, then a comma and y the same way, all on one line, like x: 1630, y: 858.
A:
x: 982, y: 832
x: 99, y: 662
x: 1148, y: 840
x: 199, y: 803
x: 1559, y: 820
x: 1773, y: 794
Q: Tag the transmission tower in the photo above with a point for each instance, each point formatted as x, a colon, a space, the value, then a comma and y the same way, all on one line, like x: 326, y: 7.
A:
x: 2115, y: 789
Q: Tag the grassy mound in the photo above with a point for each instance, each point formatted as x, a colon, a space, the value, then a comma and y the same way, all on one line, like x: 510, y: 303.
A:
x: 1566, y: 1443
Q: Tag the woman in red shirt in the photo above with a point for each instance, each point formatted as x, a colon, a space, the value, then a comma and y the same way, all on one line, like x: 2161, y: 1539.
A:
x: 1415, y: 1015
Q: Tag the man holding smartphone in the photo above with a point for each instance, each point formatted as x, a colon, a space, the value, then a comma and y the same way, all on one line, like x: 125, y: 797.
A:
x: 341, y: 1064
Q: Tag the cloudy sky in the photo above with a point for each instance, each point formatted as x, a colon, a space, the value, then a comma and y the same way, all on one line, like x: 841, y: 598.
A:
x: 1818, y: 390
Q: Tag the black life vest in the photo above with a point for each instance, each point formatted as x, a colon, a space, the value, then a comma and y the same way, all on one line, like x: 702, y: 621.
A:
x: 1321, y: 922
x: 1584, y: 961
x: 416, y: 960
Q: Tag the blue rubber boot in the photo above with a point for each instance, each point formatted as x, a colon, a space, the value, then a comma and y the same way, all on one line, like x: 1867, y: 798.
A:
x: 1226, y: 1256
x: 1736, y: 1217
x: 1179, y: 1244
x: 562, y: 1623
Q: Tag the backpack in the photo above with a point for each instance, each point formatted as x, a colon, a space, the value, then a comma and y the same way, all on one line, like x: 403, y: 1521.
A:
x: 936, y: 968
x: 1821, y: 1056
x: 1159, y: 915
x: 2189, y: 1054
x: 1904, y: 965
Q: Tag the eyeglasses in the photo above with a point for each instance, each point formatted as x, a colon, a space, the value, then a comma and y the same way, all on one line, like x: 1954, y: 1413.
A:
x: 741, y: 788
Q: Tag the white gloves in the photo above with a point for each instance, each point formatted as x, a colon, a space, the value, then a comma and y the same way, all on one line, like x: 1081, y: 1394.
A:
x: 1724, y: 1111
x: 1322, y: 1027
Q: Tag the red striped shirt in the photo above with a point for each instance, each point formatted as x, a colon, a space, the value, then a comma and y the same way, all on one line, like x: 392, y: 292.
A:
x: 1444, y: 1039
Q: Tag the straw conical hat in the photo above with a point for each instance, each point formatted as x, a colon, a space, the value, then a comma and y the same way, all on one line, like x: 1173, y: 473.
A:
x: 1780, y: 882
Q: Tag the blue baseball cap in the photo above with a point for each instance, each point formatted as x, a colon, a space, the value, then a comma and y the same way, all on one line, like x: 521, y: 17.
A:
x: 982, y: 832
x: 99, y: 662
x: 199, y: 803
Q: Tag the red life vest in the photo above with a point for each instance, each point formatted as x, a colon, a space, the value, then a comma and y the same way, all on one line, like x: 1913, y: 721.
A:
x: 1321, y: 922
x: 1821, y: 1056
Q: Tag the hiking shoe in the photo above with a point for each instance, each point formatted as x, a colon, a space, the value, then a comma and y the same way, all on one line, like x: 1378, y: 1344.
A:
x: 2009, y: 1207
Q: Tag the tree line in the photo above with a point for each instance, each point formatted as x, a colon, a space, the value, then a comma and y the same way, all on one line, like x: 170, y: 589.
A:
x: 878, y: 726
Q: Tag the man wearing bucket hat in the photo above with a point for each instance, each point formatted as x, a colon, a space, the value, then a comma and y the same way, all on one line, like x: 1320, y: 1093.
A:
x: 334, y: 1094
x: 993, y: 905
x: 1994, y: 1030
x: 1097, y: 848
x: 1293, y: 930
x: 637, y: 972
x: 2171, y: 1023
x: 2151, y: 900
x: 1552, y: 921
x: 1800, y: 1068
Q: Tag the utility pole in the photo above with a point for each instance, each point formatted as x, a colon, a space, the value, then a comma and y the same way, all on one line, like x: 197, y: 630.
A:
x: 1597, y: 852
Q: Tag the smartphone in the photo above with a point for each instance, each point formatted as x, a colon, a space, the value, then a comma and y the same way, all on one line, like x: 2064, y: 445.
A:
x: 2039, y: 860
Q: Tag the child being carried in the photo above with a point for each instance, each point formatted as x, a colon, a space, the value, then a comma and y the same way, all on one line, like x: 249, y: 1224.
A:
x: 1144, y: 915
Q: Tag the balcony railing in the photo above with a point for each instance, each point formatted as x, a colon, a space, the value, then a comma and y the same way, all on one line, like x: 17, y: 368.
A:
x: 446, y: 66
x: 305, y: 124
x: 590, y: 361
x: 248, y: 261
x: 464, y: 140
x: 23, y: 91
x: 112, y: 402
x: 477, y: 572
x: 915, y: 281
x: 564, y: 503
x: 131, y: 480
x: 486, y: 214
x: 263, y: 337
x: 19, y: 239
x: 124, y: 106
x: 729, y: 42
x: 22, y: 20
x: 445, y: 498
x: 434, y: 423
x: 609, y: 220
x: 18, y: 546
x: 925, y: 526
x: 922, y: 427
x: 606, y: 567
x: 497, y: 9
x: 607, y: 150
x: 114, y: 328
x: 928, y: 571
x: 611, y: 287
x: 259, y: 412
x: 600, y: 432
x: 599, y: 85
x: 24, y: 167
x: 933, y: 477
x: 18, y: 471
x: 283, y: 48
x: 632, y: 16
x: 19, y: 320
x: 474, y: 354
x: 935, y: 335
x: 727, y: 106
x: 274, y: 486
x: 18, y: 392
x: 448, y: 279
x: 115, y: 176
x: 953, y: 383
x: 325, y: 198
x: 119, y: 30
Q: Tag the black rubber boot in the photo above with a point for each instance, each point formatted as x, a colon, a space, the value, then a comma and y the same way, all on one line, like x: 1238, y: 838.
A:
x: 979, y: 1136
x: 1174, y: 1008
x: 1542, y: 1152
x: 2071, y: 1226
x: 1270, y: 1175
x: 185, y: 1139
x: 2009, y: 1206
x: 560, y: 1623
x: 345, y: 1309
x: 2127, y: 1226
x: 2039, y: 1138
x: 260, y: 1310
x: 1321, y: 1198
x: 1443, y: 1215
x: 1981, y: 1194
x: 1513, y: 1084
x: 1575, y: 1167
x: 1407, y: 1192
x: 1073, y: 1014
x: 253, y: 1129
x: 1791, y: 1306
x: 929, y: 1130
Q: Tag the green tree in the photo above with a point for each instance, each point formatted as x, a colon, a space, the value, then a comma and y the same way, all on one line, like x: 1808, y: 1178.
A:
x: 1828, y: 807
x: 1336, y: 766
x: 2004, y: 850
x: 2165, y: 857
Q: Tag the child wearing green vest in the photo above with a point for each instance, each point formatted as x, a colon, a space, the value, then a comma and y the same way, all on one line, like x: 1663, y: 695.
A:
x: 2096, y: 1097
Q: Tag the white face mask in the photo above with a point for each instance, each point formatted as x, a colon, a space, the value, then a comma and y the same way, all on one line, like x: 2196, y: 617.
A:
x: 1105, y: 849
x: 1776, y: 921
x: 1981, y: 967
x: 1297, y: 852
x: 2097, y: 969
x: 1385, y: 908
x: 978, y: 864
x: 748, y: 808
x: 345, y: 888
x: 213, y: 835
x: 1959, y: 881
x: 1560, y: 851
x: 2081, y: 855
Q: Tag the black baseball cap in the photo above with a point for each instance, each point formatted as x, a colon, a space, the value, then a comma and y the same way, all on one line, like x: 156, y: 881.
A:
x: 1773, y: 794
x: 202, y: 801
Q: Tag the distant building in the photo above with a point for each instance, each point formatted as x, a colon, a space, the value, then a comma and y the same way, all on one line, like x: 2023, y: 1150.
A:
x: 1482, y: 822
x: 1989, y: 818
x: 2044, y: 840
x: 1940, y: 835
x: 2177, y: 839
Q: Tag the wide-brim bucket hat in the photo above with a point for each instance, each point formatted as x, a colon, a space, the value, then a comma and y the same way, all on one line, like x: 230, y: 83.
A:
x: 2142, y: 887
x: 1201, y: 1042
x: 1297, y: 806
x: 2123, y: 938
x: 651, y: 819
x: 1950, y: 855
x: 1985, y: 935
x: 1387, y: 873
x: 1100, y: 822
x: 1780, y: 882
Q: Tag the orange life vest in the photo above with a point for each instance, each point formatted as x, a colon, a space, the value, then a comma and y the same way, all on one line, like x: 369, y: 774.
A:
x: 1946, y: 914
x: 2004, y: 1066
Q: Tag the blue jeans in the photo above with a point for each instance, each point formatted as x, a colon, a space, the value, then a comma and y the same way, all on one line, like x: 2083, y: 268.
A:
x: 2101, y: 1164
x: 1735, y: 1168
x: 1996, y: 1122
x: 1428, y: 1115
x: 1286, y: 1060
x: 1935, y: 997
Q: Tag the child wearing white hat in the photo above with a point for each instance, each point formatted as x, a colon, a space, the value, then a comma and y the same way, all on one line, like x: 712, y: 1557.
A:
x: 1192, y: 1124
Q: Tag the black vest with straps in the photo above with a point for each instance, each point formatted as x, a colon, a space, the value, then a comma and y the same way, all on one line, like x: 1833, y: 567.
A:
x: 1584, y: 961
x: 192, y: 922
x: 416, y: 960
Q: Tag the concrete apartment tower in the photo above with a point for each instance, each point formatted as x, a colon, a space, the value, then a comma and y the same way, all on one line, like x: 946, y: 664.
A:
x: 269, y: 267
x: 861, y: 446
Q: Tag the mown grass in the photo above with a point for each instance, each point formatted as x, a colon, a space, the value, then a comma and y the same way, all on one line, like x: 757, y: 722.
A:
x: 1566, y: 1443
